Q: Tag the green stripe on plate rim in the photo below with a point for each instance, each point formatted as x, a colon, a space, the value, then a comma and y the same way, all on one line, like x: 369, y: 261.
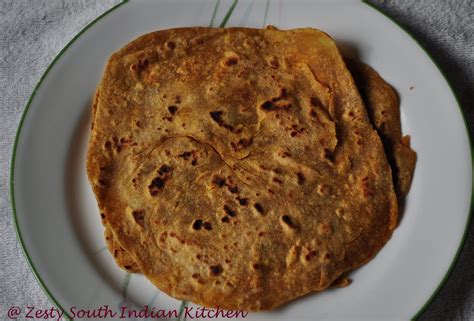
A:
x: 469, y: 219
x: 228, y: 14
x: 12, y: 166
x: 226, y: 18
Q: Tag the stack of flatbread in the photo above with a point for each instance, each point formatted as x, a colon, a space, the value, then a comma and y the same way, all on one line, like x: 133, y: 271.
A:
x: 243, y: 168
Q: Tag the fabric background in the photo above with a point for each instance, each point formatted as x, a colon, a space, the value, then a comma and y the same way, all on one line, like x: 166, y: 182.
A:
x: 33, y: 32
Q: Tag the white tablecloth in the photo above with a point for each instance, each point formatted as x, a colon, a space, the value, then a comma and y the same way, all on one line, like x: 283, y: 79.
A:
x: 33, y: 32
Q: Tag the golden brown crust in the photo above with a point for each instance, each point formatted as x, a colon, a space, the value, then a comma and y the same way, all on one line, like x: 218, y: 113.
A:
x: 121, y: 257
x: 245, y: 181
x: 382, y: 105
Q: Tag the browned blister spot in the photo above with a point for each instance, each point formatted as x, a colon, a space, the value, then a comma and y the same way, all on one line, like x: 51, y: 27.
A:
x: 139, y: 217
x: 310, y: 255
x: 217, y: 117
x: 164, y: 169
x: 243, y: 201
x: 277, y: 103
x: 233, y: 189
x: 257, y: 266
x: 277, y: 180
x: 259, y: 208
x: 229, y: 211
x: 197, y: 224
x: 215, y: 270
x: 231, y: 61
x: 289, y: 222
x: 329, y: 155
x: 218, y: 181
x: 172, y: 109
x: 315, y: 102
x: 185, y: 155
x: 156, y: 185
x: 301, y: 178
x: 274, y: 106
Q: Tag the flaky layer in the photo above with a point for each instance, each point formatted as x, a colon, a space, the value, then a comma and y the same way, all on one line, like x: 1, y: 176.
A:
x: 383, y: 108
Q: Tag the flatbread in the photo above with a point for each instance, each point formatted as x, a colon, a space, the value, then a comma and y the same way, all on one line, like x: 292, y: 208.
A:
x: 382, y: 104
x: 123, y: 259
x: 238, y: 167
x: 383, y: 108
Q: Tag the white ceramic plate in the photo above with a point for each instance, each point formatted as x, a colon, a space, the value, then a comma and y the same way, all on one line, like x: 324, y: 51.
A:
x: 57, y: 218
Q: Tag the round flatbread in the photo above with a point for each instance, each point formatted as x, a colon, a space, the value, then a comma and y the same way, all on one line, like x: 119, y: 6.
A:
x: 382, y: 105
x: 238, y: 167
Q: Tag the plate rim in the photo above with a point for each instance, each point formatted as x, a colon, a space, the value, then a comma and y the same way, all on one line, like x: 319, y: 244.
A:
x: 468, y: 132
x: 29, y: 261
x: 89, y: 25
